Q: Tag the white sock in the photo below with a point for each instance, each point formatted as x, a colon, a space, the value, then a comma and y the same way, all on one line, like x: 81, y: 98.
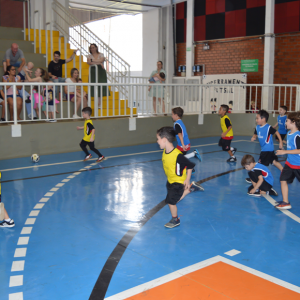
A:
x: 190, y: 155
x: 233, y: 156
x: 231, y: 148
x: 7, y: 220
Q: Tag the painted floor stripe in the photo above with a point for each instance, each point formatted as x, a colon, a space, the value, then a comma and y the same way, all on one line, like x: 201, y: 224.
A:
x: 18, y: 266
x: 49, y: 194
x: 20, y: 252
x: 23, y: 240
x: 286, y: 212
x: 54, y: 189
x: 30, y: 221
x: 76, y: 173
x: 115, y: 156
x: 174, y: 275
x: 16, y: 280
x: 39, y: 206
x: 66, y: 180
x: 60, y: 184
x: 44, y: 199
x: 34, y: 213
x: 16, y: 296
x: 26, y: 230
x: 71, y: 176
x: 232, y: 252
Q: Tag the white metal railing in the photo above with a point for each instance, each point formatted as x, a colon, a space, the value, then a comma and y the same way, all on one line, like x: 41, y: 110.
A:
x: 158, y: 100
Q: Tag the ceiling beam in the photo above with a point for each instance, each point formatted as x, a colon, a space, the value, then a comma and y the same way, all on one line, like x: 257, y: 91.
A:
x: 134, y: 3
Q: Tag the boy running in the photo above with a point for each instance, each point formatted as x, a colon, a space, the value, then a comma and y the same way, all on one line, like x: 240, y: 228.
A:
x: 281, y: 123
x: 178, y: 170
x: 183, y: 142
x: 292, y: 165
x: 261, y: 177
x: 227, y: 134
x: 89, y: 135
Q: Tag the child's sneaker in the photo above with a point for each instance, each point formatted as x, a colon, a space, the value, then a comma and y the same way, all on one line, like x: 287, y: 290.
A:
x: 88, y: 157
x: 272, y: 192
x: 256, y: 194
x: 11, y: 223
x: 102, y: 158
x: 197, y: 154
x: 233, y: 151
x: 173, y: 223
x: 195, y: 186
x: 248, y: 180
x: 231, y: 159
x: 284, y: 205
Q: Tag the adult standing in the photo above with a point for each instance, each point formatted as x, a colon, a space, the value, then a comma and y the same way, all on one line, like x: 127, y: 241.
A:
x: 97, y: 58
x: 157, y: 91
x: 11, y: 77
x: 55, y: 69
x: 12, y: 57
x: 71, y: 90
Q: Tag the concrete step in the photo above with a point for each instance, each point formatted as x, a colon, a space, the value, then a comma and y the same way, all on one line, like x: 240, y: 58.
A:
x: 37, y: 59
x: 110, y: 112
x: 25, y: 46
x: 11, y: 33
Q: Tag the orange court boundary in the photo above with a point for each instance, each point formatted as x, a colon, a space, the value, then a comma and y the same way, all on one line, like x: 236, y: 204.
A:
x: 148, y: 287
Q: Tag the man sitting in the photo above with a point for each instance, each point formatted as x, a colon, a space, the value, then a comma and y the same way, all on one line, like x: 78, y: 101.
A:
x: 12, y: 57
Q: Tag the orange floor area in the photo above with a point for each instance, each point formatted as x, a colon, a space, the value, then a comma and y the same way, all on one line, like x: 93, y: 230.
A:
x: 217, y: 282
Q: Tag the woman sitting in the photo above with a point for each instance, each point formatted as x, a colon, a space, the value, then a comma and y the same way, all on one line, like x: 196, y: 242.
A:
x: 70, y: 90
x: 11, y: 77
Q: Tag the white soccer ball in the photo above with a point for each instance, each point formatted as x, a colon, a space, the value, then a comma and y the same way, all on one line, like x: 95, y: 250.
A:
x: 35, y: 158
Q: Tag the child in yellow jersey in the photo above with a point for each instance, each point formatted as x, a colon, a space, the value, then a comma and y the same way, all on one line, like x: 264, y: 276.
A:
x: 89, y: 135
x: 227, y: 133
x: 178, y: 170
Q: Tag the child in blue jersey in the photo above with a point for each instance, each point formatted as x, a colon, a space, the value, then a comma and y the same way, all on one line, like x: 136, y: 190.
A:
x: 178, y: 170
x: 264, y: 133
x: 292, y: 165
x: 183, y: 142
x: 281, y: 123
x: 260, y: 176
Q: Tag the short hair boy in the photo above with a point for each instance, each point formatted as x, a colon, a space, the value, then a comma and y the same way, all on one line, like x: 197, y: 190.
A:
x: 227, y: 133
x: 89, y: 135
x: 183, y: 142
x: 260, y: 176
x: 178, y: 170
x: 291, y: 168
x: 281, y: 119
x: 264, y: 133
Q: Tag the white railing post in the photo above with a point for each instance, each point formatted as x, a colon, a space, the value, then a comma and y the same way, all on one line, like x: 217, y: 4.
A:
x: 15, y: 104
x: 40, y: 34
x: 34, y: 29
x: 28, y: 19
x: 47, y: 43
x: 24, y: 20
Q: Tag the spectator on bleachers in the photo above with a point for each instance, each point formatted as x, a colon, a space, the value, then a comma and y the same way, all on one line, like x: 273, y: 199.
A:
x: 2, y: 103
x: 40, y: 76
x: 71, y: 89
x: 97, y: 58
x: 11, y: 77
x: 55, y: 69
x: 12, y: 57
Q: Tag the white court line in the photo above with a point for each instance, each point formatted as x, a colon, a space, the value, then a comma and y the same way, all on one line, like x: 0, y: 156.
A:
x: 34, y: 213
x: 18, y: 266
x: 49, y: 194
x: 23, y: 240
x: 16, y: 296
x: 60, y: 184
x: 55, y: 189
x: 26, y: 230
x: 44, y: 199
x: 284, y: 211
x: 39, y: 206
x: 20, y: 252
x: 16, y: 280
x: 185, y: 271
x: 65, y: 180
x: 115, y: 156
x: 232, y: 252
x: 30, y: 221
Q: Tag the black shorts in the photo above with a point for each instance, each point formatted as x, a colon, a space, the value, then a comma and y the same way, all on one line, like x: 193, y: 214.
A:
x: 267, y: 157
x: 265, y: 186
x: 175, y: 192
x: 288, y: 174
x: 225, y: 144
x: 282, y: 136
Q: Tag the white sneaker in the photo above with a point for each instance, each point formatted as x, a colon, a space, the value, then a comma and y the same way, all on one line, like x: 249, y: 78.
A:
x: 11, y: 223
x: 53, y: 121
x: 76, y: 117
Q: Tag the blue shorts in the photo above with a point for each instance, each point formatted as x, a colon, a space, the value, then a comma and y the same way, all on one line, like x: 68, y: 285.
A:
x: 11, y: 96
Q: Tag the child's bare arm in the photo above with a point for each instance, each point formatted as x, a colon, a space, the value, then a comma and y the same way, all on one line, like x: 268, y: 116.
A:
x: 279, y: 139
x: 79, y: 128
x: 253, y: 137
x: 181, y: 140
x: 257, y: 185
x: 275, y: 125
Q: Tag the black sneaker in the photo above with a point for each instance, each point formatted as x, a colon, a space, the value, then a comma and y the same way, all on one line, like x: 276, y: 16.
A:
x: 231, y: 159
x: 173, y: 223
x: 234, y: 150
x: 102, y: 158
x: 2, y: 120
x: 11, y: 223
x: 195, y: 186
x: 256, y: 194
x: 272, y: 192
x: 248, y: 180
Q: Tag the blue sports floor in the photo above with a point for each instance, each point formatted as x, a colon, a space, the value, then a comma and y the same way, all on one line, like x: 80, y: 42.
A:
x: 63, y: 240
